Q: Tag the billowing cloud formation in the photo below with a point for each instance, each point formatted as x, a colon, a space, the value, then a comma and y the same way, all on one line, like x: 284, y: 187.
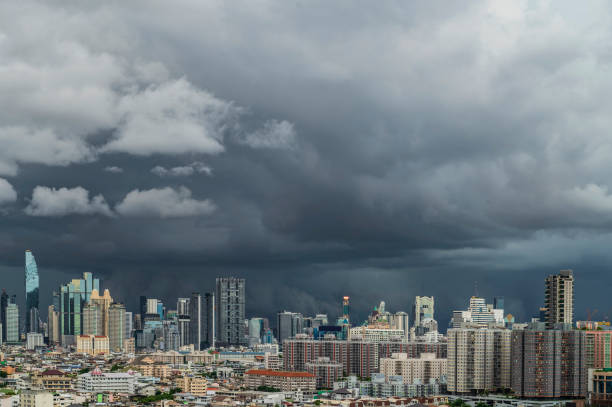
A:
x: 172, y: 118
x: 7, y: 192
x: 182, y: 171
x: 164, y: 203
x: 454, y: 142
x: 66, y: 201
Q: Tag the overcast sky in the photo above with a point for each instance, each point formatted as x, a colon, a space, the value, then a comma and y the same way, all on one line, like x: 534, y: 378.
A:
x: 380, y: 150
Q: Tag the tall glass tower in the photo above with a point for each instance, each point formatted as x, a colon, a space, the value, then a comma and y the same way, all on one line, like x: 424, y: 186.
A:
x: 31, y: 295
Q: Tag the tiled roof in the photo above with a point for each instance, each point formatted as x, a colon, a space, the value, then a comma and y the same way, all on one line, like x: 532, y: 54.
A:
x: 52, y: 372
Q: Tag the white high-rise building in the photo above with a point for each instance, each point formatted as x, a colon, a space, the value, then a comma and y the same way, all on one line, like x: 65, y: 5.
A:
x: 478, y: 359
x: 423, y: 308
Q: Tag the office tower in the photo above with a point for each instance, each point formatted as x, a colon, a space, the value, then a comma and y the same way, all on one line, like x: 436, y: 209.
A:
x: 400, y: 320
x: 4, y: 301
x: 423, y: 308
x: 103, y: 303
x: 256, y: 330
x: 92, y: 320
x: 346, y: 309
x: 12, y: 323
x: 559, y: 298
x: 72, y: 297
x: 142, y: 306
x: 208, y: 319
x: 129, y: 324
x: 34, y: 340
x: 195, y: 315
x: 137, y: 321
x: 229, y: 308
x: 183, y: 320
x: 548, y: 363
x: 478, y: 360
x: 53, y: 325
x: 116, y: 326
x: 288, y: 325
x: 171, y: 336
x: 31, y: 293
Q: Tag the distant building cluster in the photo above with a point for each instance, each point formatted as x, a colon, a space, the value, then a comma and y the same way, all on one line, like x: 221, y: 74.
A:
x: 203, y: 350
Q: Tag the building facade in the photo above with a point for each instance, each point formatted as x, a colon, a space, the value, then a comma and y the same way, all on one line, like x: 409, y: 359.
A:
x: 559, y: 298
x: 283, y: 381
x: 548, y: 363
x: 478, y: 360
x: 421, y: 369
x: 230, y: 310
x: 31, y: 293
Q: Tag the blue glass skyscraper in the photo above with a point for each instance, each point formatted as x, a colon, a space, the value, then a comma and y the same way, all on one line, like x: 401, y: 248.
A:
x: 31, y: 295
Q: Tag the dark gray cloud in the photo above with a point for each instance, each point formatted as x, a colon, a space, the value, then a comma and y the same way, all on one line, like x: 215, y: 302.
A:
x: 316, y: 149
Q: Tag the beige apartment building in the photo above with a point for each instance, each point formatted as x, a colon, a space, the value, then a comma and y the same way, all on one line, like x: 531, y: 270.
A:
x: 479, y: 359
x: 426, y: 367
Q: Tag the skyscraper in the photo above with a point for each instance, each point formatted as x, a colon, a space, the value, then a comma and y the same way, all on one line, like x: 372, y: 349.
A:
x: 346, y: 309
x: 548, y: 363
x: 31, y: 293
x: 423, y: 308
x: 208, y: 318
x: 288, y: 325
x: 229, y: 306
x: 559, y: 298
x: 478, y: 360
x: 195, y: 323
x: 116, y: 326
x: 183, y: 320
x: 72, y: 298
x: 4, y: 301
x: 12, y: 323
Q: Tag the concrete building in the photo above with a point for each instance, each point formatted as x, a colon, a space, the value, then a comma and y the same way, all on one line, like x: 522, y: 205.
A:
x: 422, y: 369
x: 423, y: 308
x: 289, y: 324
x: 600, y: 387
x: 598, y: 349
x: 196, y: 385
x: 116, y: 327
x: 559, y: 298
x: 12, y: 323
x: 326, y: 371
x: 98, y: 382
x: 375, y: 334
x: 34, y: 340
x: 35, y: 398
x: 92, y: 344
x: 53, y: 380
x: 548, y: 363
x: 230, y: 310
x: 478, y: 360
x: 195, y: 321
x: 283, y: 381
x: 53, y: 325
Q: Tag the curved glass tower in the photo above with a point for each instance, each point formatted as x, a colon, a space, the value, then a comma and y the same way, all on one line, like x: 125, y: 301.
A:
x: 31, y: 295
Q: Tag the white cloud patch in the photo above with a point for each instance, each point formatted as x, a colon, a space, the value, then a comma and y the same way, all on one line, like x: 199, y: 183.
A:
x: 273, y: 134
x: 171, y: 118
x: 66, y: 201
x: 163, y: 203
x: 113, y: 169
x: 7, y: 192
x: 182, y: 171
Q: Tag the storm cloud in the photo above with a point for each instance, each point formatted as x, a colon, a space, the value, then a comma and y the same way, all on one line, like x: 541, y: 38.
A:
x: 318, y: 149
